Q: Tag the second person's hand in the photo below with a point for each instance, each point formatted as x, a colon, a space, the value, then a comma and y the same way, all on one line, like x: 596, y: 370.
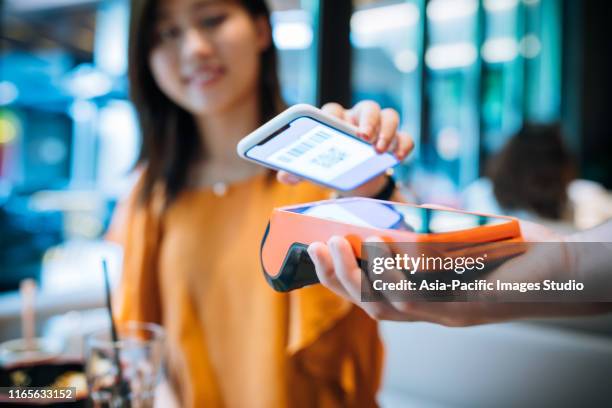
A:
x: 337, y: 269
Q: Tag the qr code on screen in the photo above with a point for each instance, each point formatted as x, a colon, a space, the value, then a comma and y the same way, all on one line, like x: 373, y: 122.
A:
x: 329, y: 158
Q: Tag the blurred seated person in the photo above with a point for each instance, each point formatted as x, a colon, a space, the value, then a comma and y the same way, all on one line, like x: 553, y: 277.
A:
x: 533, y: 177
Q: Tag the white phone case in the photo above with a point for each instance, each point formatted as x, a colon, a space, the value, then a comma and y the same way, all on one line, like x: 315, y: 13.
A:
x: 284, y: 118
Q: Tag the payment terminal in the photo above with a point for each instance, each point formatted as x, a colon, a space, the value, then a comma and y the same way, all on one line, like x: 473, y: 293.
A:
x: 287, y: 265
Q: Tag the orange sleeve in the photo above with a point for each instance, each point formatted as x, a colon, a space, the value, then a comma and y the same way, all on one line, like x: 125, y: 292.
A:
x: 336, y: 352
x: 137, y: 228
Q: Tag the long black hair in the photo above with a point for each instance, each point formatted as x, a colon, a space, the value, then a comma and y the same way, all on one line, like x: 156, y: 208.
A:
x: 170, y: 142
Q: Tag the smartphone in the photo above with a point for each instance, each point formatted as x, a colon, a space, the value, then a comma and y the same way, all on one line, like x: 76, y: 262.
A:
x: 308, y: 143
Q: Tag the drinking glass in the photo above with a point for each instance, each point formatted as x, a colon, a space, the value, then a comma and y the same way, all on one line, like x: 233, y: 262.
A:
x: 126, y: 372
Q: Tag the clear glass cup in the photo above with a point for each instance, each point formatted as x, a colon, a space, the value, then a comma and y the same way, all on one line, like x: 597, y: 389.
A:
x: 124, y: 373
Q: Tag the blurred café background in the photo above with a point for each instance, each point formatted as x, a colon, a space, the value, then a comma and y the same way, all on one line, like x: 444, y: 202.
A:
x: 465, y: 75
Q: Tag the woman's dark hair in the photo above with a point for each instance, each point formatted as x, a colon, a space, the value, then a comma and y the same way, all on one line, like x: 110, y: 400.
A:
x: 532, y: 172
x: 170, y: 141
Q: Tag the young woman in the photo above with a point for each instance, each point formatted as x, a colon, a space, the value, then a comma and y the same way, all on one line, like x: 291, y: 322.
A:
x: 203, y: 75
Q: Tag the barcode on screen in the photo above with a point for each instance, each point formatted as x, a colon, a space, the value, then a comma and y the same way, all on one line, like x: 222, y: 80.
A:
x: 306, y: 145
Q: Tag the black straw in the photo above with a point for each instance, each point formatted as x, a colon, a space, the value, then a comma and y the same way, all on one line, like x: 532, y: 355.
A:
x: 109, y: 305
x: 122, y: 384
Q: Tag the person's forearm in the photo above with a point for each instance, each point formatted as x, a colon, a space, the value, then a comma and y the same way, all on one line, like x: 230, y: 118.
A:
x: 592, y: 251
x: 591, y: 254
x: 601, y: 233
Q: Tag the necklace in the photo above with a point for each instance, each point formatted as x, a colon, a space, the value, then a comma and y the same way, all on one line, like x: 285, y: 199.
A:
x: 220, y: 188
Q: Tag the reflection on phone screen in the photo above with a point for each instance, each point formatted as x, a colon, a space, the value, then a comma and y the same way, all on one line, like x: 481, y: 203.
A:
x: 371, y: 213
x: 360, y: 213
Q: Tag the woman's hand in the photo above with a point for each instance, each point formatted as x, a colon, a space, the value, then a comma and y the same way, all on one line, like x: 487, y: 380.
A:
x: 377, y: 126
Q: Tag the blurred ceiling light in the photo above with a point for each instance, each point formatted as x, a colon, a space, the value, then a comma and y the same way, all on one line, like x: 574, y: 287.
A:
x: 111, y: 37
x: 292, y: 36
x: 496, y: 6
x: 86, y: 82
x: 530, y: 46
x: 8, y: 93
x: 444, y: 10
x: 383, y: 19
x: 406, y: 61
x: 497, y: 50
x: 291, y: 29
x: 448, y: 143
x: 449, y: 56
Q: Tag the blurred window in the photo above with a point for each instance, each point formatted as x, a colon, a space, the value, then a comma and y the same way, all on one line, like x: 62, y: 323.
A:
x: 452, y: 64
x: 294, y: 25
x: 42, y: 42
x: 464, y: 74
x: 386, y: 46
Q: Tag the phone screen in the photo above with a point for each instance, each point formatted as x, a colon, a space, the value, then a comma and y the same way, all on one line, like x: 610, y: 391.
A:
x: 360, y: 212
x: 357, y: 212
x: 312, y: 150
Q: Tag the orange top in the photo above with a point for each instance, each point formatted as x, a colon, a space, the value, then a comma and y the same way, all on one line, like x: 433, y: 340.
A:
x: 233, y: 341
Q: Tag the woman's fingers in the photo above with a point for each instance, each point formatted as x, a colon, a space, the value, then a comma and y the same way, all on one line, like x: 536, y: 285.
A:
x: 404, y: 145
x: 287, y: 178
x: 379, y: 127
x: 334, y: 109
x: 389, y: 121
x: 367, y: 116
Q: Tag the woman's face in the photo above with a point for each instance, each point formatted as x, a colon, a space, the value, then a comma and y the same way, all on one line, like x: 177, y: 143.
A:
x: 206, y: 54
